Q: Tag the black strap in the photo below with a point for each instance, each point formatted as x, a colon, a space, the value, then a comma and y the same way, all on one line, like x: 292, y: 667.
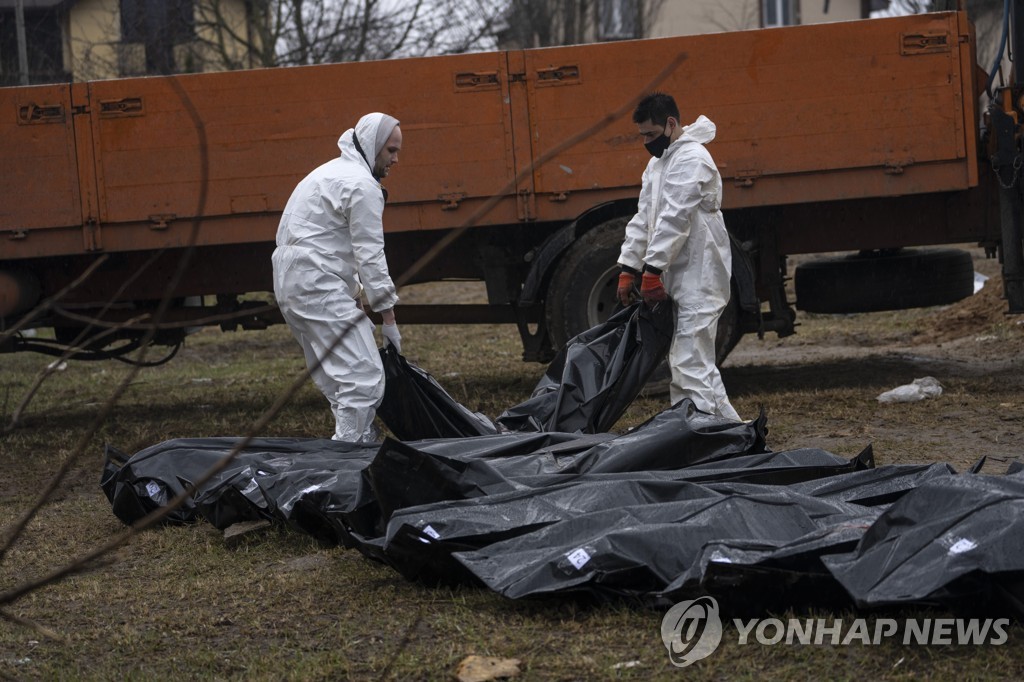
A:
x: 359, y: 148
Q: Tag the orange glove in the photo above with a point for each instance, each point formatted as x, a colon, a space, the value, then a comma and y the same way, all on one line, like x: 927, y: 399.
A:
x: 627, y: 282
x: 652, y: 290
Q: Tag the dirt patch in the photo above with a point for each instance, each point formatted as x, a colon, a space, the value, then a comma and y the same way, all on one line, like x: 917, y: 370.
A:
x: 820, y: 386
x: 969, y: 317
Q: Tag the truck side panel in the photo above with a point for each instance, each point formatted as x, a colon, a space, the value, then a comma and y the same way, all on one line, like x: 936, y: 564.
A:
x: 810, y: 113
x: 231, y: 146
x: 824, y: 113
x: 39, y: 177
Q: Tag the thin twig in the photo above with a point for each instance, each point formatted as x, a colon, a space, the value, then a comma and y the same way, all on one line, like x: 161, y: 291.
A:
x: 15, y: 531
x: 87, y: 560
x: 21, y: 324
x: 541, y: 160
x: 32, y: 625
x: 46, y: 372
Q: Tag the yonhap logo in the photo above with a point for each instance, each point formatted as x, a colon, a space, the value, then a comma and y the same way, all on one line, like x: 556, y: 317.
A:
x: 691, y: 630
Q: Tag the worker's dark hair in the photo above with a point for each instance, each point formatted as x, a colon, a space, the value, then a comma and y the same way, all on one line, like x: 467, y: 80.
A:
x: 656, y: 108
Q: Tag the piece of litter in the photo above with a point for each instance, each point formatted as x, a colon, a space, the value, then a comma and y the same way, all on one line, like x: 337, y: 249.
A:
x: 57, y: 366
x: 626, y: 664
x: 485, y: 668
x: 236, y: 531
x: 979, y: 281
x: 919, y: 389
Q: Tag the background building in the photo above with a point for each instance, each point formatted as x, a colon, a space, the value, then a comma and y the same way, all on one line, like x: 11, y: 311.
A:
x: 78, y: 40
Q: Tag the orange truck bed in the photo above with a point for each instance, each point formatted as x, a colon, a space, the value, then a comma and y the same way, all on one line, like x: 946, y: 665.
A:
x: 807, y: 115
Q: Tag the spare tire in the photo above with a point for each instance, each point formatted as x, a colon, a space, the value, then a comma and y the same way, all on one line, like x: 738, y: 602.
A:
x: 870, y: 281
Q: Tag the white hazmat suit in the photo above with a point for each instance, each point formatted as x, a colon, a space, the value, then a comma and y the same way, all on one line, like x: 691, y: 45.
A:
x: 330, y: 250
x: 679, y: 230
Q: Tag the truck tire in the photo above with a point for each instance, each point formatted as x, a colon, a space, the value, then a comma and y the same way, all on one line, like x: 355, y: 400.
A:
x: 582, y: 291
x: 887, y: 280
x: 582, y: 294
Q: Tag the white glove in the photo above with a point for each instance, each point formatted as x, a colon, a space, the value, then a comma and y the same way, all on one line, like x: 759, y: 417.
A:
x: 392, y: 335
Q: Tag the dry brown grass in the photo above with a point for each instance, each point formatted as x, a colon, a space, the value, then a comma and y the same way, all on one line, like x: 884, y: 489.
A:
x: 177, y: 602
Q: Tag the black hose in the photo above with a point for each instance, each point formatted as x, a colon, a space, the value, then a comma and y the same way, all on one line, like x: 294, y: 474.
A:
x: 58, y: 350
x: 152, y: 363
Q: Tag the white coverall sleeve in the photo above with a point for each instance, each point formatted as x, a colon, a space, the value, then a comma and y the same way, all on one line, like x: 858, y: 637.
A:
x: 686, y: 183
x: 634, y: 246
x: 367, y: 232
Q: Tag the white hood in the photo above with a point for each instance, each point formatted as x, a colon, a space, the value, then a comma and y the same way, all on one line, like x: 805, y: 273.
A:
x: 373, y: 131
x: 702, y: 130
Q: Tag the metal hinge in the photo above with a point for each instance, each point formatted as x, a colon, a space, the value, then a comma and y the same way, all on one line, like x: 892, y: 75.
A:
x: 450, y: 202
x: 896, y: 167
x: 746, y: 178
x: 160, y: 220
x: 527, y: 210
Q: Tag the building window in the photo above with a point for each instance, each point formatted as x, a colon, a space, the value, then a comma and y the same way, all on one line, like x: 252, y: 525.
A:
x: 618, y: 19
x: 778, y: 13
x: 158, y: 25
x: 43, y: 45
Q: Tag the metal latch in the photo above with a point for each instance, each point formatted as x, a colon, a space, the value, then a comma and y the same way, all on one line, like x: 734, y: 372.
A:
x: 746, y: 178
x: 129, y: 106
x: 40, y: 113
x: 450, y: 202
x: 925, y: 43
x: 896, y: 167
x: 476, y: 80
x: 558, y: 74
x: 160, y: 220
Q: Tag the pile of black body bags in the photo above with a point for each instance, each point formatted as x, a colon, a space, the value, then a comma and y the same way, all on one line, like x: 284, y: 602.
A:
x: 544, y: 501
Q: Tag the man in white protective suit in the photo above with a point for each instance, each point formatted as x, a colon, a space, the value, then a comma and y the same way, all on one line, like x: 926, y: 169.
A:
x: 330, y: 252
x: 678, y: 246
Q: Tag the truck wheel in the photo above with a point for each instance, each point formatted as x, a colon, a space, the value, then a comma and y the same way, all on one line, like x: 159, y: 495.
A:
x: 582, y: 294
x: 884, y: 280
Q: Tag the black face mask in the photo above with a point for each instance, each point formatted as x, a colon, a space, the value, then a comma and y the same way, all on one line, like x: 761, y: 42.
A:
x: 658, y: 145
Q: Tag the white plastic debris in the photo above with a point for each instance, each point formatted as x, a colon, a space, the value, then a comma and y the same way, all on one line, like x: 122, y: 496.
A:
x: 979, y: 281
x: 918, y: 389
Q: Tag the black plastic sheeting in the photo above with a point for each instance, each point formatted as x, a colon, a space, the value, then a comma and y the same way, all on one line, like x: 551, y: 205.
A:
x: 545, y: 502
x: 598, y: 373
x: 586, y: 388
x: 533, y: 515
x: 415, y: 406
